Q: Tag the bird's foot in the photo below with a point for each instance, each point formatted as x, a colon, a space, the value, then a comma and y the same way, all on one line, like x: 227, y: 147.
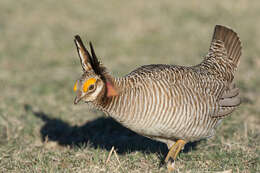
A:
x: 173, y: 153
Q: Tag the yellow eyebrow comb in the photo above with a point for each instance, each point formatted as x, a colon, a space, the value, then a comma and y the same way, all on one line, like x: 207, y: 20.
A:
x: 75, y: 88
x: 88, y: 83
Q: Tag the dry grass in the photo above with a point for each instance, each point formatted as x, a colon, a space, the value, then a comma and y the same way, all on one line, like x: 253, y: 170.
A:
x: 42, y: 131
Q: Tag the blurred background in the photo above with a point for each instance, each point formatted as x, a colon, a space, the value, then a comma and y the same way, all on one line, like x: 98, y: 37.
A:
x: 41, y: 129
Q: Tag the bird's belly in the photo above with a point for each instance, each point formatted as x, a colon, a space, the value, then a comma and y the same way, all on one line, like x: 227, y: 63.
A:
x: 189, y: 124
x: 181, y: 132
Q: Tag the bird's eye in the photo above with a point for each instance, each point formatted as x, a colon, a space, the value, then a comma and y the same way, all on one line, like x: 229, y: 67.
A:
x: 91, y: 87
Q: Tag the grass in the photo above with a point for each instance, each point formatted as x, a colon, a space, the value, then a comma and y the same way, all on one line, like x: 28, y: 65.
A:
x: 42, y: 131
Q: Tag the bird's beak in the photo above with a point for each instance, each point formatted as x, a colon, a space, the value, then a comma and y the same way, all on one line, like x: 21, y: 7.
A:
x: 77, y: 100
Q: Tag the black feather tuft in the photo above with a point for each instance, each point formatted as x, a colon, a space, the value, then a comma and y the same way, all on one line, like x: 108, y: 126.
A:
x: 95, y: 63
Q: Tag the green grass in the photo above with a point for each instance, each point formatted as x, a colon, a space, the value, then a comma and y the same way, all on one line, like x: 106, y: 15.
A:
x: 42, y: 131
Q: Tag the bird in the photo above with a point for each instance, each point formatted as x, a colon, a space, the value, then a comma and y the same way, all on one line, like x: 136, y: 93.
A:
x: 172, y: 104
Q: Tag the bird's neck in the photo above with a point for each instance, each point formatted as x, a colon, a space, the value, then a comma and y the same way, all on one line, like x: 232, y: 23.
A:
x: 113, y: 106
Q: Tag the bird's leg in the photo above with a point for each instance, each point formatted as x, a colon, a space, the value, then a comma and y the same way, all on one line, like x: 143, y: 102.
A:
x: 173, y: 152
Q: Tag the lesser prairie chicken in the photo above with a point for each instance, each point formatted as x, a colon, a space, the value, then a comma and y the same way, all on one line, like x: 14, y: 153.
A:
x: 169, y: 103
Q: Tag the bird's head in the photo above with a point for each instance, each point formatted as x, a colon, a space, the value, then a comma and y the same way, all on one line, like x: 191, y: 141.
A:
x: 95, y: 82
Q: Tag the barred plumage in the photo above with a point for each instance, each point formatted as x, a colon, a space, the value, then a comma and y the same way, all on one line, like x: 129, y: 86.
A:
x: 168, y: 103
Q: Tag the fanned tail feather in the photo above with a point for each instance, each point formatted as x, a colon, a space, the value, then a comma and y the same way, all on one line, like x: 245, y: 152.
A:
x: 224, y: 55
x: 232, y: 43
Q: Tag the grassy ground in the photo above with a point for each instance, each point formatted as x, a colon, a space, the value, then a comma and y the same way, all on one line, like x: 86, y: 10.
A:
x: 42, y: 131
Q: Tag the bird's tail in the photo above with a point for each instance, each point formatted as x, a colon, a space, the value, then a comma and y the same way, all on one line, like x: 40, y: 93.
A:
x: 231, y: 42
x: 224, y: 53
